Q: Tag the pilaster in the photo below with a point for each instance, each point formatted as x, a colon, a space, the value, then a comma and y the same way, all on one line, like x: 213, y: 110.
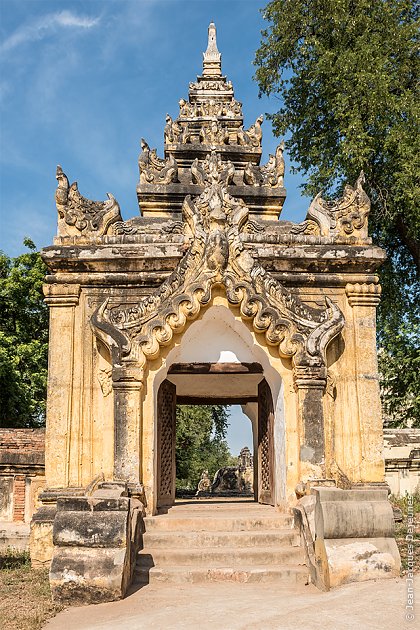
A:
x: 310, y: 382
x: 128, y: 385
x: 364, y: 298
x: 62, y: 300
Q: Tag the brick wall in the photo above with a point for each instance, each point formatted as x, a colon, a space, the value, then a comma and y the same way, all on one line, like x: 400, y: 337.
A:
x: 22, y: 439
x: 19, y: 498
x: 21, y: 462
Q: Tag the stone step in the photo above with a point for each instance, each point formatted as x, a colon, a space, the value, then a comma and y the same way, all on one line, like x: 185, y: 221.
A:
x: 217, y: 523
x: 257, y: 538
x: 176, y: 575
x: 214, y: 557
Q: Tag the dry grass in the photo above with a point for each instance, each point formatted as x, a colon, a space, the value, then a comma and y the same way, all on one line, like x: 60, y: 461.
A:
x: 25, y: 600
x: 401, y: 531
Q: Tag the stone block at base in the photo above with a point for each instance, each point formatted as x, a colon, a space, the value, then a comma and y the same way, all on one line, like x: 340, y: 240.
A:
x: 87, y: 576
x: 96, y: 539
x: 348, y: 536
x: 41, y: 537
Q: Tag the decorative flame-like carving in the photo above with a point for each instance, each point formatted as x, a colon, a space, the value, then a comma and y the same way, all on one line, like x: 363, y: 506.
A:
x: 347, y: 216
x: 217, y: 256
x: 79, y: 216
x: 270, y: 174
x: 155, y: 170
x: 253, y: 136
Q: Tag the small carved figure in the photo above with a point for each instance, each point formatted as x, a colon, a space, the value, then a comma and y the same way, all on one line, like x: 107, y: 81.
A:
x: 198, y: 173
x: 212, y: 169
x: 255, y: 132
x: 184, y: 107
x: 204, y: 484
x: 252, y: 175
x: 146, y: 175
x: 253, y: 136
x: 214, y: 133
x: 280, y: 166
x: 175, y: 132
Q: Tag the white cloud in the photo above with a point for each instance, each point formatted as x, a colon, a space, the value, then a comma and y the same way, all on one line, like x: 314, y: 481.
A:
x: 46, y: 24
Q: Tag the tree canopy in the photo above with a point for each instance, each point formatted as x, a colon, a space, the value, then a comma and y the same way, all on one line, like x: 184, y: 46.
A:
x: 200, y: 442
x: 23, y: 339
x: 346, y: 76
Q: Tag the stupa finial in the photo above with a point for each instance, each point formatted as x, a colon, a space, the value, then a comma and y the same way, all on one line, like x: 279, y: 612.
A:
x: 212, y: 64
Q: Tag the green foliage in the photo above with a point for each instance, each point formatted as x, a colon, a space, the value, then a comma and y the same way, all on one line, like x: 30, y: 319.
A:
x: 200, y: 442
x: 14, y: 559
x: 345, y: 73
x: 23, y: 339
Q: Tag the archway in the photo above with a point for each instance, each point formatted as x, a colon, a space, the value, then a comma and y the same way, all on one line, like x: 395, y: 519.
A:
x: 219, y: 362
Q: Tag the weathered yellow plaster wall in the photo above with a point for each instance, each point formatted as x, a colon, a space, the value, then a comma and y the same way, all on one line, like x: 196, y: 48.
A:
x: 80, y: 430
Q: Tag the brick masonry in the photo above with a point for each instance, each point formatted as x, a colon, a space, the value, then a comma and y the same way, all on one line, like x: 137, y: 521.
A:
x: 22, y: 469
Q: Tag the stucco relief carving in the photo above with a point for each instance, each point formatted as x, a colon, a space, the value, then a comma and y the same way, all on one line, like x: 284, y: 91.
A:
x: 347, y: 216
x: 211, y: 86
x: 78, y: 215
x: 105, y: 380
x: 175, y: 132
x: 135, y: 226
x: 270, y: 174
x: 213, y: 133
x: 213, y: 168
x: 231, y: 109
x: 154, y: 169
x: 217, y: 256
x: 253, y: 136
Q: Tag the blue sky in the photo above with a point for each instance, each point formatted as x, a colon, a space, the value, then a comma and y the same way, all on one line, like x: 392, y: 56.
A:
x: 82, y: 82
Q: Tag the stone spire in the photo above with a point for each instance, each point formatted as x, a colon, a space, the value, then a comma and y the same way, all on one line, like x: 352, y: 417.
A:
x: 208, y: 136
x: 212, y: 59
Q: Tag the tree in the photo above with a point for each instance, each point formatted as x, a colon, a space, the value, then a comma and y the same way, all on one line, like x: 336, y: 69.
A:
x: 346, y: 73
x: 200, y: 442
x: 23, y: 339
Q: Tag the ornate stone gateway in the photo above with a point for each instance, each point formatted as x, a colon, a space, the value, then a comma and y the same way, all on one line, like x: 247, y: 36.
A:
x: 208, y: 271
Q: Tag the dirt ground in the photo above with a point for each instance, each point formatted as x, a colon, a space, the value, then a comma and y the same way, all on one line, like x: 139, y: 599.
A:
x: 25, y: 598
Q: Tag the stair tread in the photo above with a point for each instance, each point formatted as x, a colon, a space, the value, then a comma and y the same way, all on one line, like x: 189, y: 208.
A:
x: 301, y: 567
x: 245, y: 534
x: 149, y: 549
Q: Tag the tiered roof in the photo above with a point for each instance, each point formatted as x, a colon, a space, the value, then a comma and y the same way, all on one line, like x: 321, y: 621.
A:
x: 210, y: 123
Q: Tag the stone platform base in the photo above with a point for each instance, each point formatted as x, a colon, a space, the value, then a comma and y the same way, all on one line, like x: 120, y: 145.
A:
x: 348, y: 535
x: 14, y: 536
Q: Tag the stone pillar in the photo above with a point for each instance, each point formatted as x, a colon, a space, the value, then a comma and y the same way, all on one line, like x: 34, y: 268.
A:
x: 364, y: 298
x: 310, y: 384
x: 62, y: 300
x: 127, y: 384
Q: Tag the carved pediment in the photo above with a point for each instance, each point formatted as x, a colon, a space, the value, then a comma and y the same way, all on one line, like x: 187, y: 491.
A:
x: 218, y: 256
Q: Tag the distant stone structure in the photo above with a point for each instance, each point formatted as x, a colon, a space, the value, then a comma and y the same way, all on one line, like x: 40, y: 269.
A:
x: 22, y: 477
x: 402, y: 460
x: 233, y: 481
x: 208, y: 298
x: 22, y: 472
x: 204, y: 484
